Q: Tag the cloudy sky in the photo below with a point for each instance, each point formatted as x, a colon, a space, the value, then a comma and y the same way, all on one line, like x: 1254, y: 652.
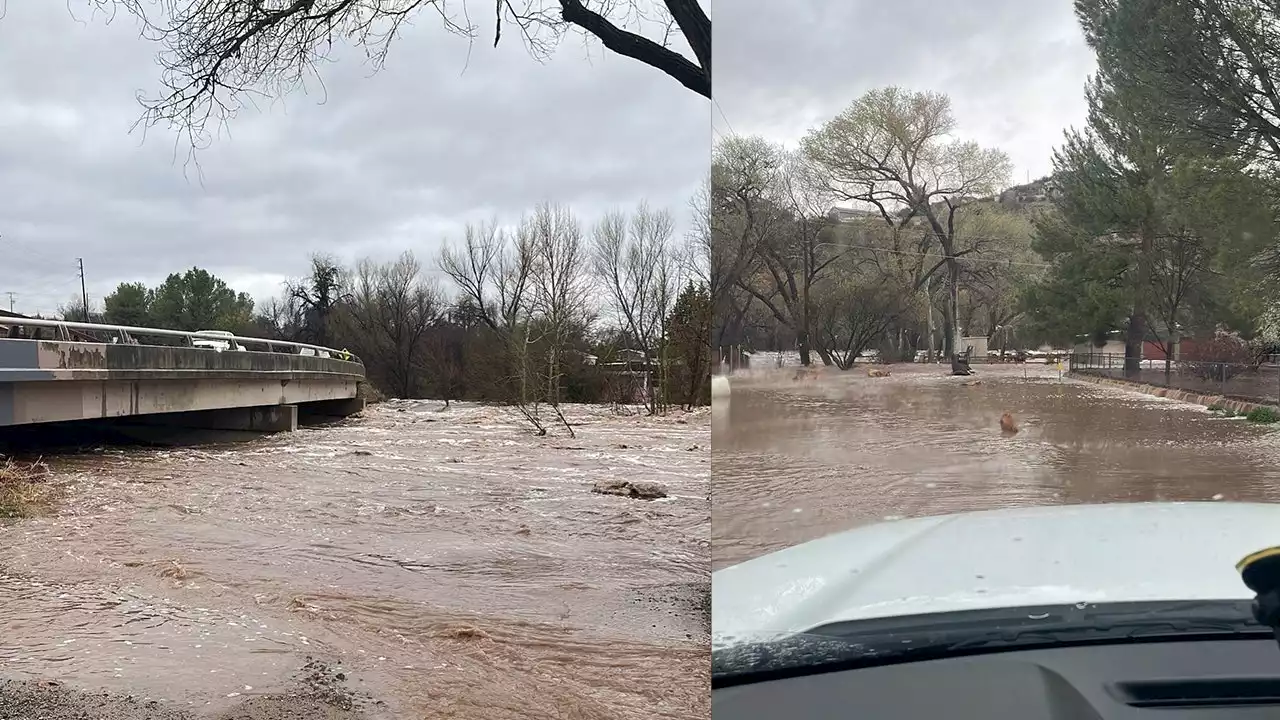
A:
x: 1015, y: 70
x: 382, y: 163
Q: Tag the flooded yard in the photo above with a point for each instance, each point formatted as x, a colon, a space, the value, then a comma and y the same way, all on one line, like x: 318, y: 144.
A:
x: 416, y: 562
x: 796, y: 459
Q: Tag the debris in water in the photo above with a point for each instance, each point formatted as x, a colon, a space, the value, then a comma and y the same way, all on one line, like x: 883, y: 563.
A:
x: 1007, y: 425
x: 639, y: 489
x: 175, y: 571
x: 467, y: 632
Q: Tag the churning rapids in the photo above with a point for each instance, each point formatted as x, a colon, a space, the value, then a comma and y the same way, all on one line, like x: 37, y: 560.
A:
x: 415, y: 562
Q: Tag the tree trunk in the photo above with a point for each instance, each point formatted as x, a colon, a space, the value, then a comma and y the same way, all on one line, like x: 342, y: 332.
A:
x: 928, y: 301
x: 802, y: 341
x: 1137, y: 331
x: 953, y: 307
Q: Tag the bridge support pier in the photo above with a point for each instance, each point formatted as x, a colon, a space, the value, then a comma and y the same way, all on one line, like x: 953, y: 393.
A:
x: 334, y: 408
x: 273, y: 418
x: 264, y: 418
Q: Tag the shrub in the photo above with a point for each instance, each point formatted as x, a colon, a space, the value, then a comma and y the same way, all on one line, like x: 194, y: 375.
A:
x: 1221, y: 358
x: 1264, y: 415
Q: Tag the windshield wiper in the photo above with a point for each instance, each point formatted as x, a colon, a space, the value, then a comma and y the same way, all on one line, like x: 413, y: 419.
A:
x: 867, y: 643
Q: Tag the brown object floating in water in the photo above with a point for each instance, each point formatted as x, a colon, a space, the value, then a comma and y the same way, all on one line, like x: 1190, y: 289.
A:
x: 877, y: 372
x: 1007, y: 425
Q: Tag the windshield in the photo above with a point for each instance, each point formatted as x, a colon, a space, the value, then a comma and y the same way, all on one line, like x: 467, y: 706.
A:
x: 883, y: 641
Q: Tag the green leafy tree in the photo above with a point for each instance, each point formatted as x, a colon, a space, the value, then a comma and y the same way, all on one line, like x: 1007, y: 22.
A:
x: 895, y: 152
x: 1110, y: 176
x: 129, y: 304
x: 1150, y: 215
x: 689, y: 336
x: 1085, y: 293
x: 1214, y: 62
x: 198, y: 300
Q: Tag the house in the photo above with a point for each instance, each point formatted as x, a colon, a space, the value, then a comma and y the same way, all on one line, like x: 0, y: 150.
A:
x: 846, y: 214
x: 1035, y: 192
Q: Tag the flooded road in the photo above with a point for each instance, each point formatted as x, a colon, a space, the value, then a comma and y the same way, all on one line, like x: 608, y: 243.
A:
x: 798, y: 459
x: 441, y: 563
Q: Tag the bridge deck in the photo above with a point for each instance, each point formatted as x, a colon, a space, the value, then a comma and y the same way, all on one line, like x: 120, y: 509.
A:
x: 45, y: 381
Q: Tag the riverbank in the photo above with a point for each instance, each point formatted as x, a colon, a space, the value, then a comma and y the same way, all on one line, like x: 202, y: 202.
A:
x: 1236, y: 406
x: 317, y: 693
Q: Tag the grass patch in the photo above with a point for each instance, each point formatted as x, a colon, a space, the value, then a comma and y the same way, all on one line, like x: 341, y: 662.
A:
x: 1264, y: 415
x: 24, y: 489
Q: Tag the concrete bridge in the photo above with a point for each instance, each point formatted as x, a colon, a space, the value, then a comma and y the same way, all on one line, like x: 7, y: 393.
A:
x: 53, y: 371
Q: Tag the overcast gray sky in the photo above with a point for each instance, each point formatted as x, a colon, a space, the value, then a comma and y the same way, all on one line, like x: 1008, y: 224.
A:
x: 381, y: 164
x: 1015, y: 70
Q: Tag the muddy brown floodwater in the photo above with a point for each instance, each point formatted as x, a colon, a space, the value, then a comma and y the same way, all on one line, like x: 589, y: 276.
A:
x: 798, y: 459
x: 442, y: 564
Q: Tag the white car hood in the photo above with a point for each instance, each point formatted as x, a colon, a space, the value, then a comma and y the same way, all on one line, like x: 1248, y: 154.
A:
x: 993, y: 559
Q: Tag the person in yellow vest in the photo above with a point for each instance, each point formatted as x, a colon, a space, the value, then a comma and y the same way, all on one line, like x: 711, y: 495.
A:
x: 346, y: 354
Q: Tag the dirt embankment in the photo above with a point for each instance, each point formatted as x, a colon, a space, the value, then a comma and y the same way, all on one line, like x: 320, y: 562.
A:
x: 319, y: 693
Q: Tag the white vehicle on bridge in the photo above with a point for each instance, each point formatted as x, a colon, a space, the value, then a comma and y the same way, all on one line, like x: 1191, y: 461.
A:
x: 1160, y: 610
x: 216, y: 340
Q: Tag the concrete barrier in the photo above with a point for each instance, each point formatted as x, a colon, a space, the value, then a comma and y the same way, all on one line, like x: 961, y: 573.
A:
x: 1233, y: 404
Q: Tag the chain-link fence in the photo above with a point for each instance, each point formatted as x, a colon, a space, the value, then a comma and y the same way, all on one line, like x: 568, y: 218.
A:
x: 1257, y: 382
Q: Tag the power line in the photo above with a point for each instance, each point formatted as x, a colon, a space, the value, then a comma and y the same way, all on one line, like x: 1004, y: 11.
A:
x: 724, y: 117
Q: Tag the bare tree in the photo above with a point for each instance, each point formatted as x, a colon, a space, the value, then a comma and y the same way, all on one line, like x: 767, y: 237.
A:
x: 561, y: 292
x: 743, y: 172
x: 281, y: 318
x: 1178, y: 265
x: 215, y: 54
x: 530, y: 291
x: 893, y: 151
x: 393, y: 308
x: 410, y: 305
x: 318, y: 295
x: 634, y: 261
x: 791, y: 248
x: 493, y: 273
x: 856, y: 311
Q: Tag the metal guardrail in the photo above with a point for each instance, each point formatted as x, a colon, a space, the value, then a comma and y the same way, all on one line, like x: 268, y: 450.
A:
x: 128, y: 334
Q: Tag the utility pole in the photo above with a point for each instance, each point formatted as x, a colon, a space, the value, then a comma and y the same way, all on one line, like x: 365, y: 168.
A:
x: 11, y: 295
x: 84, y: 294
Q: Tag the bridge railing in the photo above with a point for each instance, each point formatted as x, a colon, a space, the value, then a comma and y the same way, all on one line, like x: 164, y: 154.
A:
x: 67, y: 331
